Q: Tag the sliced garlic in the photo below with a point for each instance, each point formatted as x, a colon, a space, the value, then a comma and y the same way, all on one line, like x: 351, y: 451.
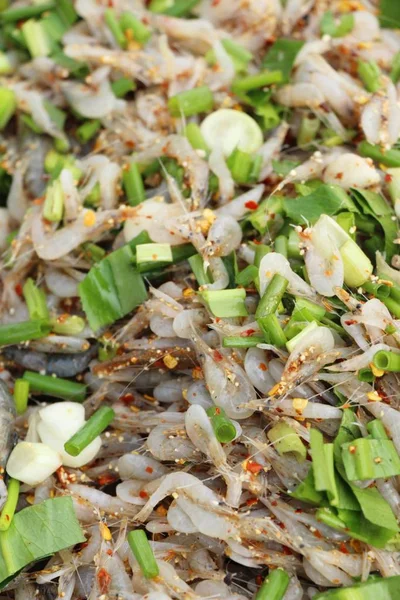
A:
x: 32, y: 463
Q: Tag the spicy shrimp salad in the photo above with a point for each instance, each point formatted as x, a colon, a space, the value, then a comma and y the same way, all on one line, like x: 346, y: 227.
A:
x: 199, y: 300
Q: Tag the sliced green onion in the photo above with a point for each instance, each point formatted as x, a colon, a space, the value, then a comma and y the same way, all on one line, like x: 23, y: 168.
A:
x: 94, y: 426
x: 304, y: 305
x: 281, y: 245
x: 308, y: 130
x: 197, y: 265
x: 260, y: 251
x: 75, y: 67
x: 377, y: 430
x: 195, y: 137
x: 55, y: 386
x: 9, y: 507
x: 53, y: 207
x: 173, y: 8
x: 252, y: 82
x: 255, y: 169
x: 293, y: 244
x: 329, y: 27
x: 390, y: 158
x: 133, y: 184
x: 115, y: 27
x: 306, y: 491
x: 237, y: 341
x: 94, y: 196
x: 373, y: 589
x: 274, y: 585
x: 366, y: 375
x: 36, y: 38
x: 21, y: 395
x: 303, y: 329
x: 123, y: 86
x: 395, y: 71
x: 272, y: 296
x: 366, y: 458
x: 323, y: 466
x: 67, y: 12
x: 387, y: 361
x: 68, y: 325
x: 13, y: 15
x: 22, y: 332
x: 393, y: 305
x: 379, y: 290
x: 357, y: 266
x: 88, y: 130
x: 272, y: 330
x: 35, y: 299
x: 231, y: 129
x: 93, y: 252
x: 239, y: 164
x: 143, y: 553
x: 224, y: 429
x: 226, y: 303
x: 370, y: 75
x: 281, y: 55
x: 54, y: 27
x: 191, y: 102
x: 269, y: 115
x: 134, y: 29
x: 247, y: 276
x: 287, y: 441
x: 153, y: 253
x: 8, y: 104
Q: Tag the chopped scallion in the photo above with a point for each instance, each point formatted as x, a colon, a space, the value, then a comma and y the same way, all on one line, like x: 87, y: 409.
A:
x: 114, y: 26
x: 122, y: 86
x: 53, y: 206
x: 88, y: 130
x: 272, y: 330
x: 370, y: 75
x: 134, y: 29
x: 36, y: 38
x: 9, y: 507
x: 237, y: 341
x: 55, y: 386
x: 94, y: 426
x: 21, y: 395
x: 195, y: 137
x: 252, y: 82
x: 197, y: 265
x: 377, y: 430
x: 390, y: 158
x: 240, y: 164
x: 68, y: 325
x: 395, y: 71
x: 143, y: 553
x: 226, y: 303
x: 387, y: 361
x: 153, y: 253
x: 224, y: 429
x: 133, y: 184
x: 22, y: 332
x: 274, y: 586
x: 35, y: 299
x: 191, y: 102
x: 12, y: 15
x: 8, y: 104
x: 369, y: 458
x: 272, y: 296
x: 287, y: 441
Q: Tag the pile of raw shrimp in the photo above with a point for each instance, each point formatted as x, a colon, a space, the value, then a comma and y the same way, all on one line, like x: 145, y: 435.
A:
x: 219, y: 515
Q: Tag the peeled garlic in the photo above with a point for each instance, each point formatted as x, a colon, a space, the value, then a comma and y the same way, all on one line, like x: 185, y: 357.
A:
x: 32, y: 463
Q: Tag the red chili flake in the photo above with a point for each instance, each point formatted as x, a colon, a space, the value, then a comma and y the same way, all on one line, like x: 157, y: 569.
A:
x: 247, y: 333
x: 251, y: 205
x: 149, y: 469
x: 287, y: 551
x: 143, y: 494
x: 251, y: 501
x: 350, y: 322
x: 259, y: 579
x: 253, y: 467
x: 263, y: 367
x: 18, y: 290
x: 109, y: 552
x: 388, y: 178
x: 318, y: 534
x: 104, y: 580
x: 339, y: 176
x: 106, y: 479
x: 127, y: 399
x: 343, y: 548
x: 217, y: 356
x: 281, y: 525
x: 274, y: 503
x: 298, y: 511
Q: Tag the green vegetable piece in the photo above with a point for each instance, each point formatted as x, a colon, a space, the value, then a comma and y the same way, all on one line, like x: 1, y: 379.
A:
x: 195, y: 137
x: 8, y: 105
x: 274, y: 585
x: 281, y: 56
x: 24, y: 331
x: 197, y: 265
x: 389, y: 14
x: 377, y: 430
x: 237, y: 341
x: 251, y: 82
x: 35, y: 299
x: 224, y: 429
x: 122, y: 86
x: 323, y: 466
x: 94, y: 426
x: 12, y: 15
x: 240, y: 163
x: 366, y: 458
x: 377, y: 589
x: 88, y: 130
x: 134, y: 29
x: 133, y: 184
x: 370, y: 75
x: 326, y: 199
x: 114, y: 26
x: 272, y: 296
x: 226, y: 303
x: 387, y: 361
x: 143, y: 553
x: 287, y: 441
x: 395, y: 71
x: 191, y: 102
x: 247, y: 276
x: 308, y: 130
x: 68, y: 325
x: 153, y: 253
x: 53, y: 207
x: 389, y: 158
x: 36, y: 38
x: 21, y: 395
x: 37, y: 532
x: 9, y: 507
x: 56, y: 386
x: 272, y: 330
x: 329, y: 26
x: 306, y: 491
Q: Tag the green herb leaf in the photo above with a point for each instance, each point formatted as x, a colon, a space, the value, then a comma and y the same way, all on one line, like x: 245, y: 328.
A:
x: 377, y: 589
x: 36, y: 532
x: 283, y: 167
x: 389, y: 14
x: 326, y: 199
x: 306, y: 491
x: 367, y: 458
x: 281, y: 56
x: 112, y: 288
